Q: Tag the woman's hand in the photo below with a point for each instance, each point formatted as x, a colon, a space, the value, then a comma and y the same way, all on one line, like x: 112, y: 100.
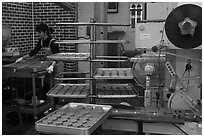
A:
x: 50, y: 69
x: 19, y: 60
x: 22, y: 58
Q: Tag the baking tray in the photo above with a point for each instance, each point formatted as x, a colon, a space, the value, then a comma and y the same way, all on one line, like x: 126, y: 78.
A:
x: 116, y: 91
x: 75, y: 119
x: 69, y: 56
x: 69, y: 90
x: 27, y: 66
x: 113, y: 73
x: 83, y: 90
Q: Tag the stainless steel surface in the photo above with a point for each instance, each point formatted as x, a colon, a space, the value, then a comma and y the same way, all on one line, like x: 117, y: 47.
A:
x: 74, y: 118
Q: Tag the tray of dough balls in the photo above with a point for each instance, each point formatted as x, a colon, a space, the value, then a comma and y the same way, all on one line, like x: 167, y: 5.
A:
x: 113, y: 73
x: 69, y: 90
x: 116, y: 91
x: 75, y: 119
x: 69, y: 56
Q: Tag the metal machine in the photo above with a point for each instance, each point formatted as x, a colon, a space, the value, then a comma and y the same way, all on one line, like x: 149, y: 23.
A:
x: 183, y: 30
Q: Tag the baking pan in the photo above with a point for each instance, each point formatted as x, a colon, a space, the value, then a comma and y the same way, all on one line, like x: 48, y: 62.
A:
x: 69, y: 90
x: 74, y: 118
x: 69, y: 56
x: 116, y: 91
x: 113, y: 73
x: 83, y: 90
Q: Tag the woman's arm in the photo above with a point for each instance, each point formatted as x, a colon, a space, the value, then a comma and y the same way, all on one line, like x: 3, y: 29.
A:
x: 36, y: 49
x: 54, y: 47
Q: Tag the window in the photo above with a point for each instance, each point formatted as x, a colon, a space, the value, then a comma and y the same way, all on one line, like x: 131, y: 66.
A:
x: 137, y: 13
x: 112, y: 7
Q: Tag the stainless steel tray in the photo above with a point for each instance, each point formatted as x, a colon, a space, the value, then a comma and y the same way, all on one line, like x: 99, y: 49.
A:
x: 113, y: 73
x: 116, y: 91
x: 74, y: 118
x: 69, y: 90
x: 69, y: 56
x: 83, y: 90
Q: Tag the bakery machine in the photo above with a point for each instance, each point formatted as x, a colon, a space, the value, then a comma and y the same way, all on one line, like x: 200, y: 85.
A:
x: 183, y: 30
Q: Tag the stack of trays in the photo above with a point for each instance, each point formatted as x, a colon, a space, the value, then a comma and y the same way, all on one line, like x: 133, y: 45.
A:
x: 69, y: 56
x: 74, y: 118
x: 113, y: 73
x: 116, y: 90
x: 83, y: 90
x: 69, y: 90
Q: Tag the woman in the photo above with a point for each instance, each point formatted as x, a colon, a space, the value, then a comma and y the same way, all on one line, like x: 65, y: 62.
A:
x: 46, y: 42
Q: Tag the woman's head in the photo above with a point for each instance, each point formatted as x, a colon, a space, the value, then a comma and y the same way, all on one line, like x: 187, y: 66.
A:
x: 43, y: 30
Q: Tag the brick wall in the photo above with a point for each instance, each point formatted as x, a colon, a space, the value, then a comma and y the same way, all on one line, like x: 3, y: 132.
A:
x: 19, y: 16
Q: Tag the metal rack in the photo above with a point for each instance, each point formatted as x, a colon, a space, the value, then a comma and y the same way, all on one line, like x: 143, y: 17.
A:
x: 92, y: 89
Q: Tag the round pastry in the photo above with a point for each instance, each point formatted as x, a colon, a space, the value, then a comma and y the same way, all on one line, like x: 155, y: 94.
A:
x: 67, y: 123
x: 88, y: 107
x: 60, y: 113
x: 83, y: 118
x: 79, y: 115
x: 65, y: 117
x: 57, y: 122
x: 73, y: 117
x: 93, y: 119
x: 46, y: 121
x: 81, y: 121
x: 62, y: 119
x: 56, y: 115
x: 80, y: 107
x: 98, y: 108
x: 87, y: 125
x: 84, y: 111
x: 51, y: 118
x: 88, y: 115
x: 73, y: 120
x: 96, y: 115
x: 77, y: 124
x: 69, y: 114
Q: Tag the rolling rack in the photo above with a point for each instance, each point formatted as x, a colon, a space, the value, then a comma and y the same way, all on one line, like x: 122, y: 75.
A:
x: 91, y: 90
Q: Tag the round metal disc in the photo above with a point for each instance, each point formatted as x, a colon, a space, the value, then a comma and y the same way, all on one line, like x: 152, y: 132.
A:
x: 172, y: 29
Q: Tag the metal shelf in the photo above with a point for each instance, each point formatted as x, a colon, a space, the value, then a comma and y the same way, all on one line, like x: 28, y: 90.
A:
x: 69, y: 56
x: 83, y: 90
x: 96, y: 24
x: 92, y: 42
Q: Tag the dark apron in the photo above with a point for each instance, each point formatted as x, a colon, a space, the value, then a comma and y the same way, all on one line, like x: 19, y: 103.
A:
x: 59, y: 66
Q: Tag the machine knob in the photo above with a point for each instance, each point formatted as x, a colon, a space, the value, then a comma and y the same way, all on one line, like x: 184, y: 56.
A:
x: 187, y: 26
